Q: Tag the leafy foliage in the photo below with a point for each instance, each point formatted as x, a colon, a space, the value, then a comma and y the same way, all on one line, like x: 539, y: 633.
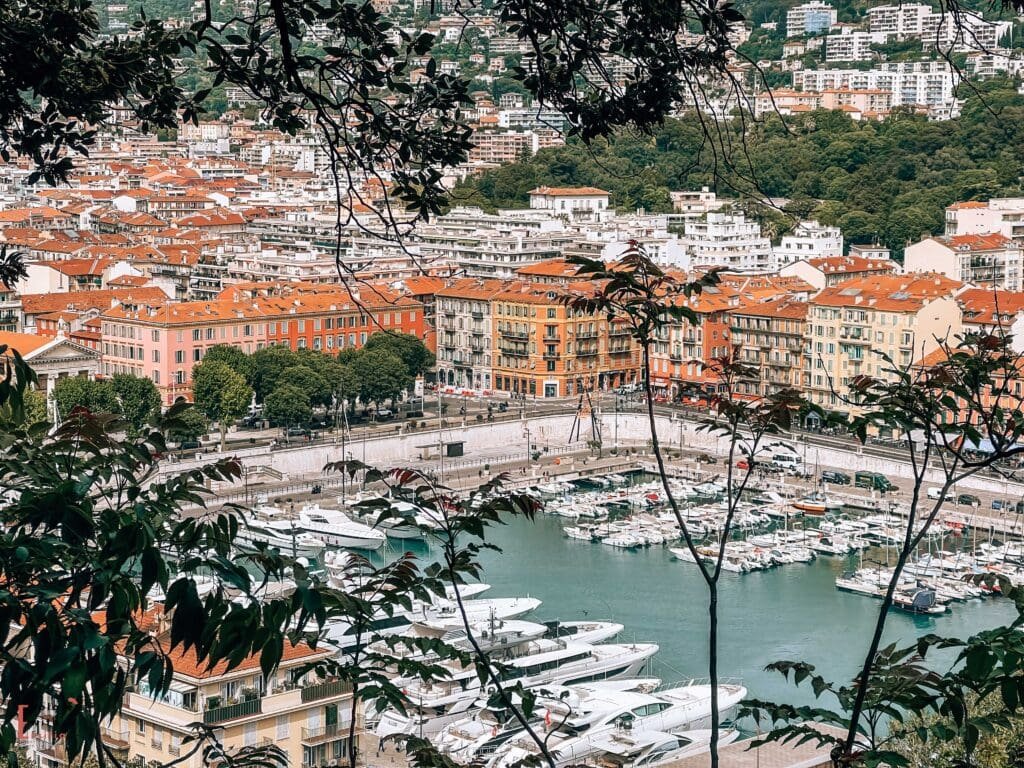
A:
x: 220, y: 393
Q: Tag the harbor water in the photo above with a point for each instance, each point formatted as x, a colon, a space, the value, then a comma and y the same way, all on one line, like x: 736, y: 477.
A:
x: 792, y: 612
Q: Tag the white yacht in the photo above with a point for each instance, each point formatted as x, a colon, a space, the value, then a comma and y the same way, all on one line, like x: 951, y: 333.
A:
x: 338, y: 530
x: 492, y: 725
x: 400, y: 528
x: 275, y: 527
x: 628, y: 748
x: 574, y: 735
x: 435, y: 704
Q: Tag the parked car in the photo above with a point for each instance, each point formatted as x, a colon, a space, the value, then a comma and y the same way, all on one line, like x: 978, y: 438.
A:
x: 189, y: 445
x: 296, y: 432
x: 383, y: 414
x: 997, y: 504
x: 836, y: 478
x: 502, y: 407
x: 968, y: 499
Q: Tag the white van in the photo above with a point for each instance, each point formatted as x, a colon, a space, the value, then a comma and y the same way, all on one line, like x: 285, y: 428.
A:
x: 786, y: 461
x: 934, y: 493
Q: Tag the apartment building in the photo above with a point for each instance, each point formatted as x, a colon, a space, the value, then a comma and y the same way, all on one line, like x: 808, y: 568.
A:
x: 909, y: 82
x: 465, y: 336
x: 810, y: 19
x: 987, y: 310
x: 162, y: 342
x: 771, y: 336
x: 693, y: 204
x: 492, y: 245
x: 306, y: 716
x: 785, y: 101
x: 808, y: 240
x: 1004, y: 215
x: 968, y: 32
x: 849, y: 324
x: 852, y: 45
x: 569, y: 201
x: 901, y: 21
x: 868, y: 102
x: 682, y: 360
x: 990, y: 260
x: 727, y: 240
x: 827, y: 271
x: 542, y: 348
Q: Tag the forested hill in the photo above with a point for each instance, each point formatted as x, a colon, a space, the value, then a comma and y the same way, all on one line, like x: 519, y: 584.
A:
x: 890, y: 180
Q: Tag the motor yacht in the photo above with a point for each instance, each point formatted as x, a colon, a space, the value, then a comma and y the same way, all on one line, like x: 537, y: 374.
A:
x: 338, y: 529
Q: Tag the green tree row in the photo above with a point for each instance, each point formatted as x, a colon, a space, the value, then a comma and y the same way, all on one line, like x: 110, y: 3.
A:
x: 292, y: 383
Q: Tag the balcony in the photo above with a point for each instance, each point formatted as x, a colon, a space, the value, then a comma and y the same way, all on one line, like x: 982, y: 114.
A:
x: 234, y: 711
x: 116, y: 739
x: 620, y: 330
x: 477, y: 315
x: 324, y: 733
x: 586, y: 334
x: 551, y: 355
x: 515, y: 335
x: 619, y: 349
x: 553, y: 338
x: 325, y: 690
x: 588, y: 351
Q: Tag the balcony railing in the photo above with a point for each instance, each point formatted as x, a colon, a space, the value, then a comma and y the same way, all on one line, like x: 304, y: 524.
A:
x: 234, y: 711
x: 116, y: 739
x: 325, y: 690
x: 586, y: 334
x: 324, y: 733
x: 516, y: 334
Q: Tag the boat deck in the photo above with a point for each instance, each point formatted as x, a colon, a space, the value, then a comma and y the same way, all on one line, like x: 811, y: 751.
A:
x: 774, y: 755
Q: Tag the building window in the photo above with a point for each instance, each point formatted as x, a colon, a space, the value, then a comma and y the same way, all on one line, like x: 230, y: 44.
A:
x: 283, y: 726
x: 316, y: 324
x: 197, y: 334
x: 247, y: 331
x: 249, y: 735
x: 179, y: 356
x: 211, y: 334
x: 140, y: 726
x: 156, y: 335
x: 197, y: 355
x: 156, y: 355
x: 156, y: 377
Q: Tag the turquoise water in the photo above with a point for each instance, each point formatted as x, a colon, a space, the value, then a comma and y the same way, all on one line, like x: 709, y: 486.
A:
x: 791, y: 612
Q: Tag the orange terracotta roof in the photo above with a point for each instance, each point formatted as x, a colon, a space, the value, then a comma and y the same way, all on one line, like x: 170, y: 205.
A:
x: 966, y: 205
x: 473, y: 288
x: 24, y: 343
x: 549, y: 268
x: 260, y: 307
x: 569, y: 191
x: 81, y: 301
x: 992, y: 241
x: 987, y: 306
x: 781, y: 306
x: 851, y: 264
x: 889, y: 293
x: 81, y: 267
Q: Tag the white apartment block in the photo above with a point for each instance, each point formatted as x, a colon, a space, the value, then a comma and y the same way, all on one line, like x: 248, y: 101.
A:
x: 987, y: 260
x: 852, y: 45
x: 915, y: 82
x: 727, y: 240
x: 492, y: 245
x: 692, y: 204
x: 810, y: 19
x: 969, y: 32
x: 1003, y: 215
x: 809, y: 240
